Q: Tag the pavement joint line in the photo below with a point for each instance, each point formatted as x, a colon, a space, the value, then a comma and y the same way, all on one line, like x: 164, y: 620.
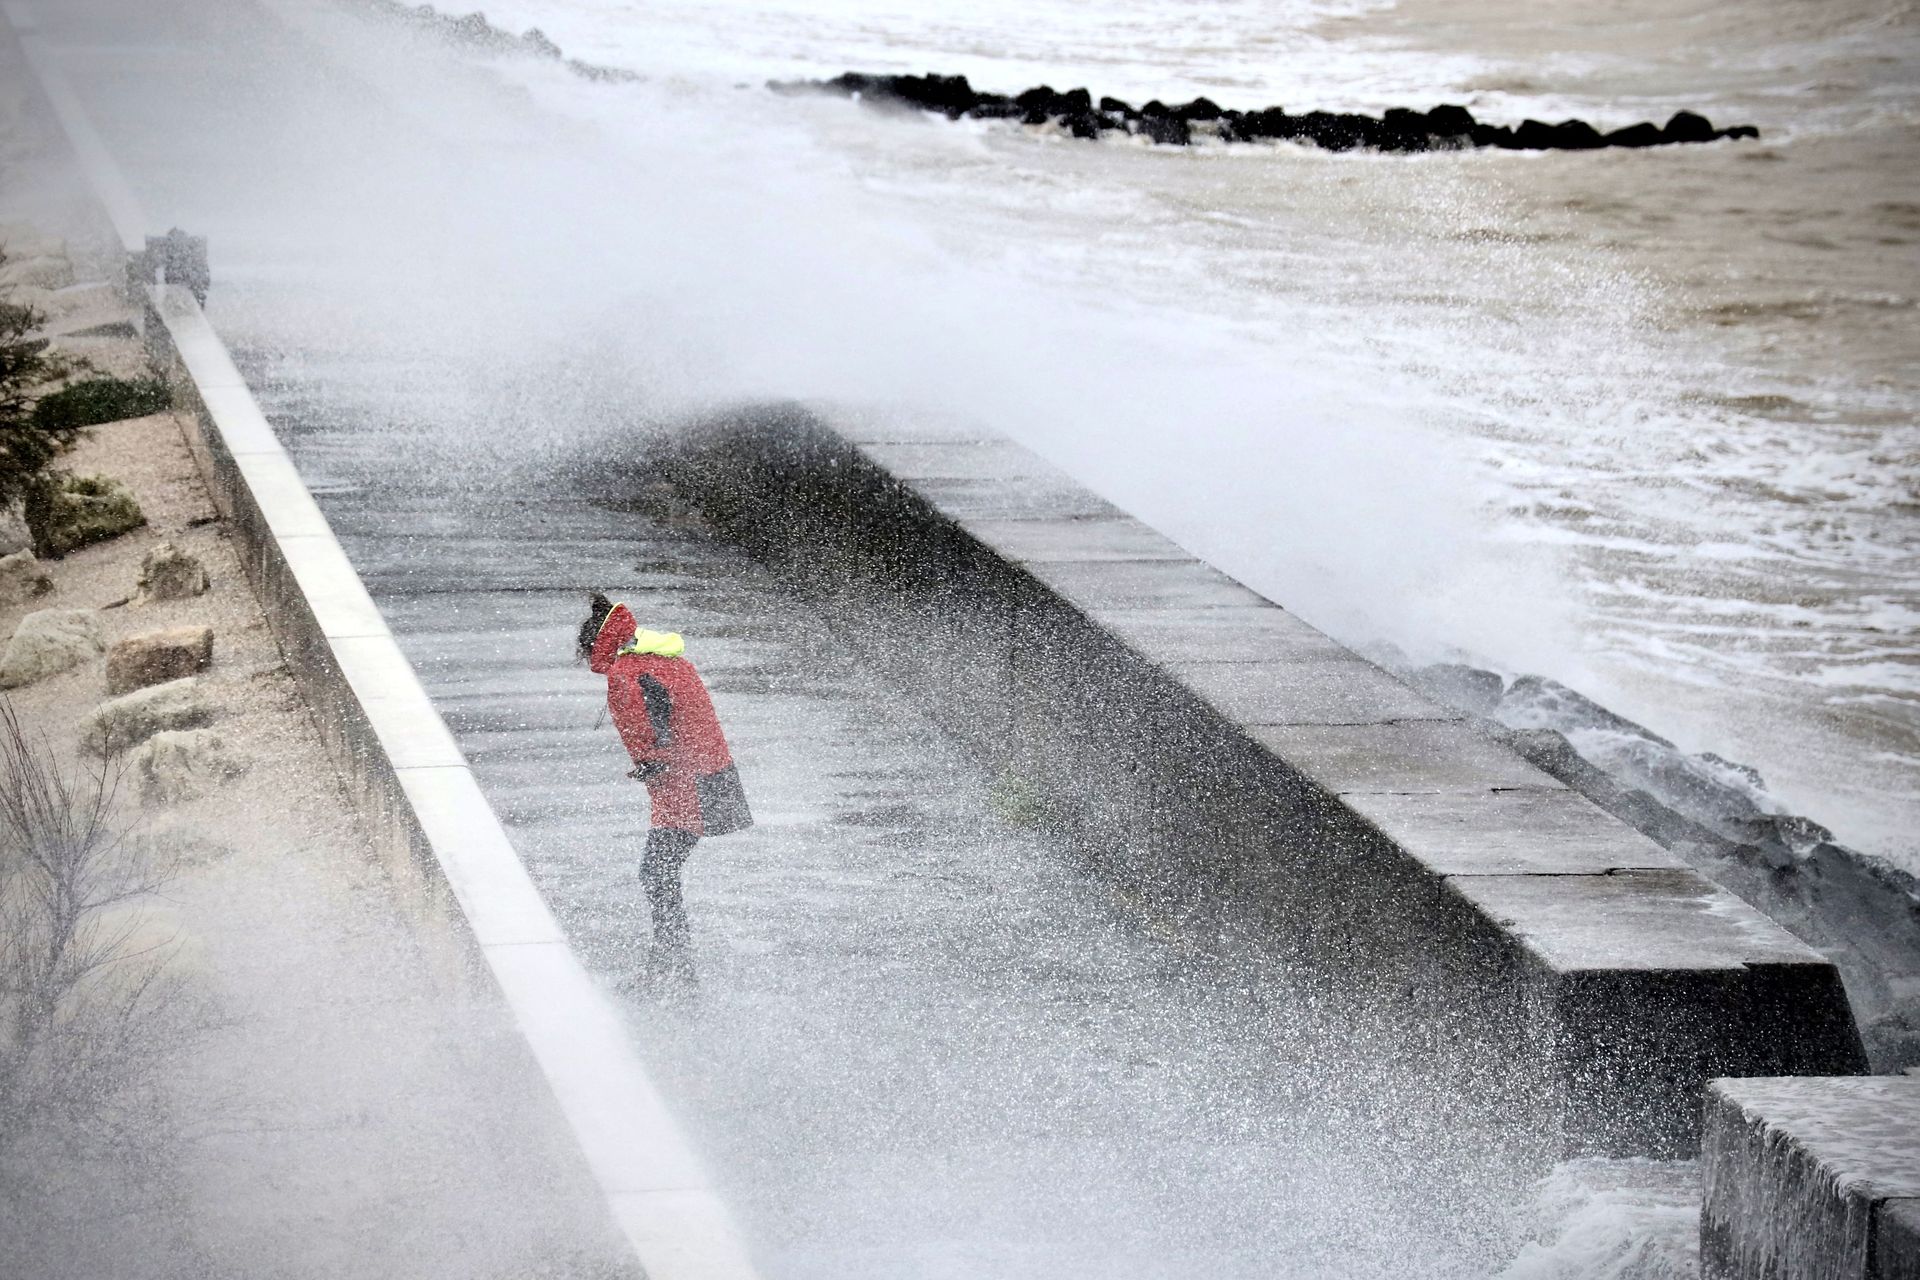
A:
x: 608, y: 1100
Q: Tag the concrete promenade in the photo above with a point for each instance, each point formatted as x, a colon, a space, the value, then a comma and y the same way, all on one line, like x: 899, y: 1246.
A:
x: 922, y: 1031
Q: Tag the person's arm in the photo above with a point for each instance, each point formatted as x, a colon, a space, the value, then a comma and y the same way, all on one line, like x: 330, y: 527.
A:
x: 659, y: 704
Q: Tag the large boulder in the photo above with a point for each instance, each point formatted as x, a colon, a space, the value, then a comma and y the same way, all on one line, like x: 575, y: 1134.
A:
x: 168, y: 573
x: 1166, y: 130
x: 182, y: 764
x: 1577, y: 135
x: 1535, y: 135
x: 128, y: 720
x: 22, y: 579
x: 156, y: 657
x: 70, y: 512
x: 1199, y: 109
x: 1643, y: 134
x: 49, y: 642
x: 1449, y: 120
x: 1685, y: 126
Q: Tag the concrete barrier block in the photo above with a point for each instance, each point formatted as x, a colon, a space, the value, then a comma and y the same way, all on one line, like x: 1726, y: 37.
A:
x: 1651, y: 982
x: 1066, y: 538
x: 1811, y: 1179
x: 1257, y: 633
x: 1405, y: 757
x: 1544, y: 832
x: 1334, y: 690
x: 1142, y: 584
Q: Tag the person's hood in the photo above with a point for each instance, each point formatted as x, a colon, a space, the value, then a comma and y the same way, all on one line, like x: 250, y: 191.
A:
x: 661, y: 644
x: 620, y: 635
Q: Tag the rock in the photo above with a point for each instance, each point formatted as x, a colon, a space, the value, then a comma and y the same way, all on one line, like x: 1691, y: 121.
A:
x: 1534, y: 135
x: 1404, y: 130
x: 1167, y: 130
x: 1637, y: 135
x: 182, y: 764
x: 22, y: 579
x: 66, y: 513
x: 1039, y: 98
x: 1199, y: 109
x: 950, y: 95
x: 168, y: 573
x: 1270, y: 123
x: 1116, y: 107
x: 37, y: 273
x: 132, y: 718
x: 1741, y: 131
x: 1333, y: 130
x: 1577, y: 135
x: 1688, y: 127
x: 14, y: 534
x: 1450, y: 121
x: 157, y: 657
x: 49, y: 642
x: 1081, y: 124
x: 1535, y: 702
x: 1460, y: 686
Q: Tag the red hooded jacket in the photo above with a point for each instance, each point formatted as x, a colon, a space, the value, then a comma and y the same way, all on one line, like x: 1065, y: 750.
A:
x: 665, y: 716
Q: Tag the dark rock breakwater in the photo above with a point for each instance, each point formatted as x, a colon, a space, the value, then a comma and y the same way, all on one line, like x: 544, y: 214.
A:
x: 1445, y: 128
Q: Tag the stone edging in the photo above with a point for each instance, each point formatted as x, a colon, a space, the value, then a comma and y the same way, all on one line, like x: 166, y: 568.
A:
x: 404, y: 772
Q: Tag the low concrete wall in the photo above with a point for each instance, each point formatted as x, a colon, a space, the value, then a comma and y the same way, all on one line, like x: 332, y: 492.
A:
x: 1556, y: 975
x: 402, y: 768
x: 426, y: 812
x: 1810, y: 1179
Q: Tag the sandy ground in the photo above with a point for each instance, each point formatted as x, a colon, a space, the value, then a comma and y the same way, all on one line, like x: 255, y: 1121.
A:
x: 346, y: 1104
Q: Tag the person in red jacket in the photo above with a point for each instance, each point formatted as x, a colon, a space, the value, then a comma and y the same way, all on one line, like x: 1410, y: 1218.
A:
x: 667, y: 723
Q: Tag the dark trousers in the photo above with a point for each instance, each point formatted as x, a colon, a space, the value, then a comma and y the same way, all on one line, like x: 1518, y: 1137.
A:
x: 667, y: 851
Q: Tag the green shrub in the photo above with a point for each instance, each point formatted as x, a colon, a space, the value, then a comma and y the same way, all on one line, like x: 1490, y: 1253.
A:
x: 65, y: 513
x: 97, y: 400
x: 24, y: 447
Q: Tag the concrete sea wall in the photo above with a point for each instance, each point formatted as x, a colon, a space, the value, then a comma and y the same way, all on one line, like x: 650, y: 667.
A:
x: 1560, y: 977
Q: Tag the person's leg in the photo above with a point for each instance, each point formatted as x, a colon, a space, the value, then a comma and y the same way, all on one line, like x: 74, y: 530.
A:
x: 667, y: 851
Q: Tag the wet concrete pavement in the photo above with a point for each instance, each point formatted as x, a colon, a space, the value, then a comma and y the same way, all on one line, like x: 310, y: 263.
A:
x: 924, y: 1043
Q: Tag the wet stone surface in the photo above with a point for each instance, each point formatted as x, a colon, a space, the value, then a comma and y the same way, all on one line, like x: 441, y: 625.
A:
x: 923, y: 1042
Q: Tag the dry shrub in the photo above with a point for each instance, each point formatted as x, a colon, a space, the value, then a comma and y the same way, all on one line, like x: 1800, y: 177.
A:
x: 88, y: 1009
